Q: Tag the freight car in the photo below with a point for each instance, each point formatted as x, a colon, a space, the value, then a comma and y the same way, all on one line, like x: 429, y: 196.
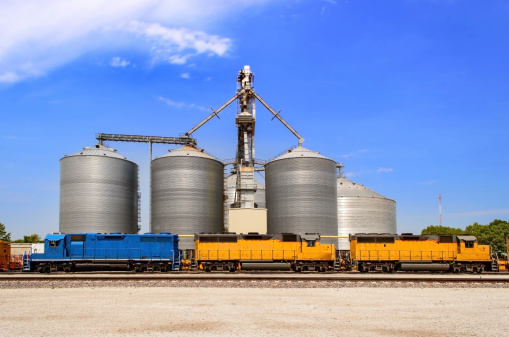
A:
x: 230, y: 252
x: 139, y: 252
x: 406, y: 252
x: 5, y: 255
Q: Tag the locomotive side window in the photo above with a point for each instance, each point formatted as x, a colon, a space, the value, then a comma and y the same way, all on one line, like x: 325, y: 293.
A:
x: 469, y: 244
x: 53, y: 243
x: 310, y: 243
x: 77, y: 237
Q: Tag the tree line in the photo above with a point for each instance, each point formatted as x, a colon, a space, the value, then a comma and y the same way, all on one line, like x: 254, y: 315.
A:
x: 494, y: 234
x: 6, y: 237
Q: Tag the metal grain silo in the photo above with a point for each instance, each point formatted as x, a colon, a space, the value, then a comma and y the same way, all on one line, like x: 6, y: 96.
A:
x: 98, y: 192
x: 230, y: 186
x: 187, y: 193
x: 361, y: 210
x: 301, y: 193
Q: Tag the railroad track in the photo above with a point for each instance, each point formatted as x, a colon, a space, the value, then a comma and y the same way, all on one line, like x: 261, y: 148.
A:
x: 258, y: 276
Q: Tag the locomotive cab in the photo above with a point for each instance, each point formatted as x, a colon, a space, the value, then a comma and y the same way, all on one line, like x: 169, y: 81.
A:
x: 54, y: 246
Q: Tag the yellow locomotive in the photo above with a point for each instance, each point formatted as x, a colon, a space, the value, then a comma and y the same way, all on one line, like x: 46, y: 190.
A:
x: 407, y: 252
x: 230, y: 251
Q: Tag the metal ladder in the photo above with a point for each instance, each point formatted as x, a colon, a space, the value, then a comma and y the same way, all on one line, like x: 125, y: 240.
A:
x: 494, y: 263
x: 26, y: 263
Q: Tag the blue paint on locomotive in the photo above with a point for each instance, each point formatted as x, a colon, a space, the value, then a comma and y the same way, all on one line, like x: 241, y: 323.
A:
x: 94, y: 247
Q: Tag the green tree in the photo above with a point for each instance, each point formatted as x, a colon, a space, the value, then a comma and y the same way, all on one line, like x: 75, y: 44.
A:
x: 442, y: 230
x: 493, y: 234
x: 34, y: 238
x: 4, y: 236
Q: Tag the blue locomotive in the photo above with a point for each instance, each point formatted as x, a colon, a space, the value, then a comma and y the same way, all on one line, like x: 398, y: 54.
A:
x: 138, y: 252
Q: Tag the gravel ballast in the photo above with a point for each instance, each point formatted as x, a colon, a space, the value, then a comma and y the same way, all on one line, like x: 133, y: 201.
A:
x: 254, y: 311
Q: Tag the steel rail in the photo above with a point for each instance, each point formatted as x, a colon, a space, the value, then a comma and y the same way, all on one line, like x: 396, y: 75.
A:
x: 257, y: 276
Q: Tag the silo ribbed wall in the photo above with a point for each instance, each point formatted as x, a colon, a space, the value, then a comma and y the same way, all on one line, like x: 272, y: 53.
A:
x: 361, y: 210
x: 98, y: 193
x: 301, y: 196
x: 187, y: 195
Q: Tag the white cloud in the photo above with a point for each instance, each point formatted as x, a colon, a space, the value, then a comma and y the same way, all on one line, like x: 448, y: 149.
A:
x: 356, y: 153
x: 172, y: 103
x: 185, y: 75
x: 39, y: 36
x: 17, y: 138
x: 385, y: 169
x: 118, y: 62
x: 9, y: 77
x: 182, y: 104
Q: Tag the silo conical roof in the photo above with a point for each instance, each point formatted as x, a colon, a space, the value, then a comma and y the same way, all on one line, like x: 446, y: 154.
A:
x: 188, y: 151
x: 347, y: 188
x: 98, y: 150
x: 300, y: 152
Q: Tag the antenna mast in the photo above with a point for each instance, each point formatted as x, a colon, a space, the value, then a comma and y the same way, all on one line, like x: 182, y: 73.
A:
x: 440, y: 208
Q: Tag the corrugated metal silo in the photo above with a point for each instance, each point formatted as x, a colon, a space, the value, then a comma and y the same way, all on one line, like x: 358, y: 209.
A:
x: 230, y: 185
x: 98, y: 192
x: 187, y: 193
x: 361, y: 210
x: 301, y: 193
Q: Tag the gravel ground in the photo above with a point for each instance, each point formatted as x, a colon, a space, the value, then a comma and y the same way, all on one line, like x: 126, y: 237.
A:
x: 252, y: 309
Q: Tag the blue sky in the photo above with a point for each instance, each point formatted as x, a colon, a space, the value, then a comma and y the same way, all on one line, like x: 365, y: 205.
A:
x: 411, y: 96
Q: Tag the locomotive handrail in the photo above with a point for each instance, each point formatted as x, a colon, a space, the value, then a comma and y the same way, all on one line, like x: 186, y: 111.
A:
x: 411, y: 255
x: 245, y: 254
x: 98, y: 253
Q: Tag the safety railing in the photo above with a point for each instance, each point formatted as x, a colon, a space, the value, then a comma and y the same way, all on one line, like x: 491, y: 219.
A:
x: 407, y: 255
x: 273, y: 255
x: 124, y: 254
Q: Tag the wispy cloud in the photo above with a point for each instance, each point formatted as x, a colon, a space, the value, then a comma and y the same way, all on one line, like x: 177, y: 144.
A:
x: 39, y: 36
x: 185, y: 75
x: 18, y: 138
x: 117, y: 62
x: 385, y: 170
x: 481, y: 213
x: 177, y: 45
x: 356, y: 153
x: 182, y: 104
